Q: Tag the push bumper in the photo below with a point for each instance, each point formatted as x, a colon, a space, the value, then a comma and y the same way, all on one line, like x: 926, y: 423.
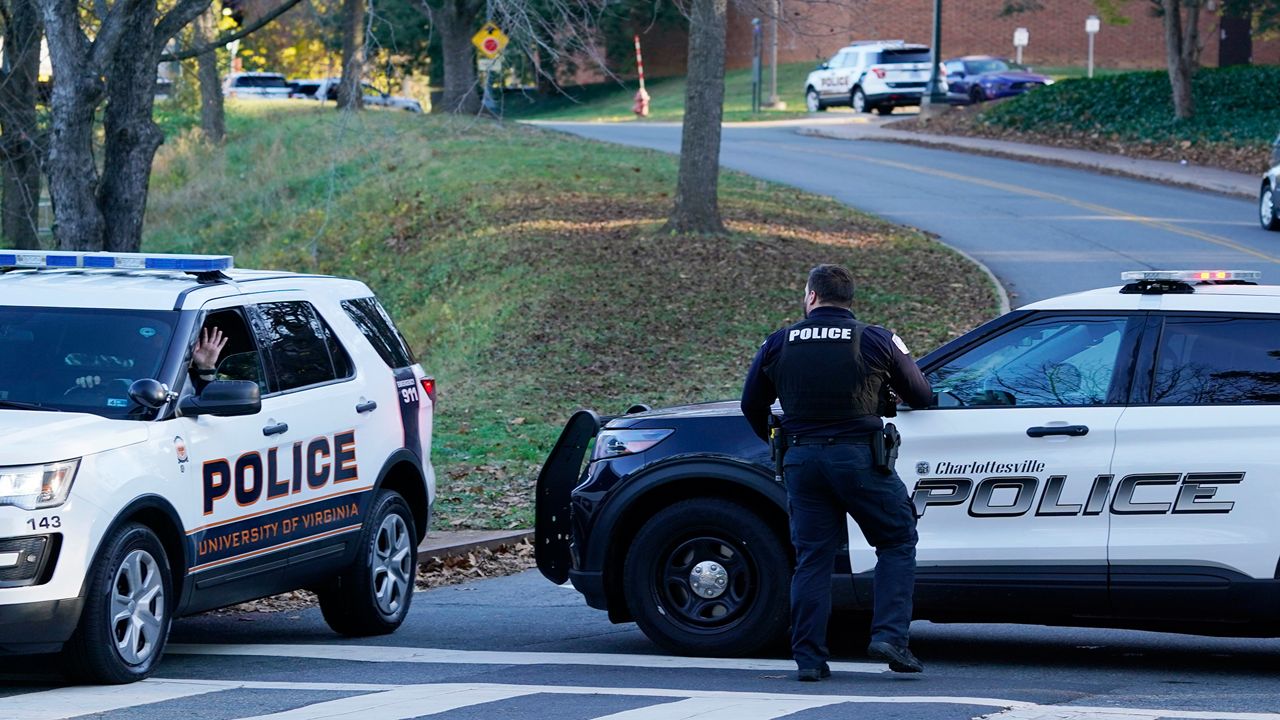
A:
x: 591, y: 585
x: 38, y: 627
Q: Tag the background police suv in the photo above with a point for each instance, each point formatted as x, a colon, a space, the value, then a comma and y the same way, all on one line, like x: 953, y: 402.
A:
x: 1099, y: 459
x: 132, y: 492
x: 875, y: 75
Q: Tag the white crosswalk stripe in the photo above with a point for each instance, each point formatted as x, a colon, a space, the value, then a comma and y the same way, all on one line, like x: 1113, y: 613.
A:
x: 72, y: 701
x: 401, y: 703
x: 706, y: 708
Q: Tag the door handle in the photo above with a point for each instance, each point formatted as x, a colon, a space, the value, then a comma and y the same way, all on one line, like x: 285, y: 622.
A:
x: 1068, y: 430
x: 275, y: 429
x: 368, y: 406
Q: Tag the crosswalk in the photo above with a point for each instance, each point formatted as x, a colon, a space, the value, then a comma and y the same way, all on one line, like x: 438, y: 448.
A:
x: 176, y: 697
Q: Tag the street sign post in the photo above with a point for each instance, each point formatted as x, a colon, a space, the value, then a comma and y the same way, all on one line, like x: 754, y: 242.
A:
x: 1020, y: 38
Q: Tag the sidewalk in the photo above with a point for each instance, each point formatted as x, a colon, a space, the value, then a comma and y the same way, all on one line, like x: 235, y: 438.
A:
x: 1192, y: 176
x: 452, y: 543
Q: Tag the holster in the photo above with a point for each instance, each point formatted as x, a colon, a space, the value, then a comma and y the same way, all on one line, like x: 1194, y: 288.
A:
x: 777, y: 447
x: 884, y: 448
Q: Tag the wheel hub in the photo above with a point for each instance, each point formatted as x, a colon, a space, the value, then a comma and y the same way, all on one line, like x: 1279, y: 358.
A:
x: 709, y: 579
x: 137, y: 607
x: 392, y: 561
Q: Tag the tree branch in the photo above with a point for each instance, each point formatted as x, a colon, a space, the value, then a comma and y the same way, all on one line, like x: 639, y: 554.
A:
x: 201, y: 49
x: 179, y: 17
x: 110, y: 34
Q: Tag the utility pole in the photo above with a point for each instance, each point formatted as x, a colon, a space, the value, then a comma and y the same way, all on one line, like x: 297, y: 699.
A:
x: 933, y: 92
x: 774, y: 102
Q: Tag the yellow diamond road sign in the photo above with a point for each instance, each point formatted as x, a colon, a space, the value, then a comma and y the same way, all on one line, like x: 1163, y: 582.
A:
x: 490, y: 41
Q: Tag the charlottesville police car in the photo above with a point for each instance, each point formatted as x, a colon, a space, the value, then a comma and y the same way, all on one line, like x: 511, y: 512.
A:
x: 132, y: 493
x: 1099, y: 459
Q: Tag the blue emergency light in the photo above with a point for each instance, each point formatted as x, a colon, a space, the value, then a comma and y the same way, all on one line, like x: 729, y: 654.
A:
x: 28, y: 259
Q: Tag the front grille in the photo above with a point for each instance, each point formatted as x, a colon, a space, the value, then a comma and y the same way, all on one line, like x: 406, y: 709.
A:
x: 23, y: 560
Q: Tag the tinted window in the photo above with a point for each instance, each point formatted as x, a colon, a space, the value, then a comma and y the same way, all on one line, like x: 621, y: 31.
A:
x: 1218, y: 361
x: 1049, y: 362
x: 80, y: 359
x: 239, y: 359
x: 296, y: 340
x: 904, y: 55
x: 369, y: 315
x: 259, y: 81
x: 977, y: 67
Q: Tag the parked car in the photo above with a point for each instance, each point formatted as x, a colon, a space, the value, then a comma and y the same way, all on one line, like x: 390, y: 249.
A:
x: 1267, y: 213
x: 875, y: 75
x: 1099, y: 459
x: 255, y: 86
x: 976, y: 78
x: 327, y: 89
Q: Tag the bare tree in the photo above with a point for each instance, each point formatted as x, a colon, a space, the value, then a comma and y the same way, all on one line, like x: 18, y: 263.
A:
x: 213, y: 119
x: 1182, y: 50
x: 350, y: 90
x: 697, y: 206
x: 19, y: 132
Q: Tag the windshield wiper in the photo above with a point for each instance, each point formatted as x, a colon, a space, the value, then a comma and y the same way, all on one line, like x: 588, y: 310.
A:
x: 26, y: 406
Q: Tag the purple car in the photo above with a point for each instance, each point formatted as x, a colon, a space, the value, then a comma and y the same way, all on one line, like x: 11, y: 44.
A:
x: 976, y: 78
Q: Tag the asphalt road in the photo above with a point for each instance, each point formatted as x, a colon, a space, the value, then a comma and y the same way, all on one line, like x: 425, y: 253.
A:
x: 519, y: 647
x: 1043, y: 230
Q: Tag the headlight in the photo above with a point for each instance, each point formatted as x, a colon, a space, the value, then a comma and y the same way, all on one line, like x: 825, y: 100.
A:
x: 32, y: 487
x: 616, y: 443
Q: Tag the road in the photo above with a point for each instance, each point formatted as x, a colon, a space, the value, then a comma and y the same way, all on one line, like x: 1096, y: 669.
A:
x: 1043, y: 230
x: 519, y: 647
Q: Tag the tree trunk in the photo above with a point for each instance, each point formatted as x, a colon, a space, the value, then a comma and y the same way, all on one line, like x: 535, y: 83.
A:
x: 697, y: 206
x: 70, y: 168
x: 131, y: 137
x: 456, y: 21
x: 1182, y: 51
x: 19, y: 148
x: 213, y: 119
x: 350, y: 92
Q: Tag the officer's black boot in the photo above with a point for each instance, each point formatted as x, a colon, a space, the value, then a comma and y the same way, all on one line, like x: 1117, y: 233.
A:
x: 899, y: 657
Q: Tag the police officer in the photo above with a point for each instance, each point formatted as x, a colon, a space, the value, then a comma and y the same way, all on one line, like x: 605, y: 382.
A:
x: 829, y: 370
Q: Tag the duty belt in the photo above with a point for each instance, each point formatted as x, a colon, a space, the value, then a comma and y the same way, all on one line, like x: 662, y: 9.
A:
x: 795, y: 440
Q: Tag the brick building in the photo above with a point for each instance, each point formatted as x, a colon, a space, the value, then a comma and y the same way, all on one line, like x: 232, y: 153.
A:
x: 814, y: 29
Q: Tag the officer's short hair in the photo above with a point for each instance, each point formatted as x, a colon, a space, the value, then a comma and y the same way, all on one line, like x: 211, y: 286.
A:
x: 833, y: 284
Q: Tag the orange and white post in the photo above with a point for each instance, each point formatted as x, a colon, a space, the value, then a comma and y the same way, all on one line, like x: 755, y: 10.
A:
x: 641, y: 106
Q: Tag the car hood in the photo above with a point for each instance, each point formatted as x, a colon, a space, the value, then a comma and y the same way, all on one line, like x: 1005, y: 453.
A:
x: 1013, y: 76
x: 32, y: 437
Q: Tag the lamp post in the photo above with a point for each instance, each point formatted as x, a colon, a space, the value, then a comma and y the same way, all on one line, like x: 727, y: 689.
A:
x: 1091, y: 26
x: 935, y: 97
x: 1020, y: 38
x: 774, y: 102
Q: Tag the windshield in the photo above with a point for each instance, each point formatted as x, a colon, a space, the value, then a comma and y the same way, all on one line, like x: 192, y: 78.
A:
x: 80, y: 359
x: 977, y: 67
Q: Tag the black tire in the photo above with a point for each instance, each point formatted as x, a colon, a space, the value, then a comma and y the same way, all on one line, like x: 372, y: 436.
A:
x: 709, y: 536
x: 858, y: 101
x: 813, y: 101
x: 976, y: 95
x: 884, y: 109
x: 1267, y: 209
x: 129, y: 583
x: 372, y: 596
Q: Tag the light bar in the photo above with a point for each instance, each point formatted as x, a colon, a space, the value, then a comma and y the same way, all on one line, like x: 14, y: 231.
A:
x: 1192, y: 275
x: 115, y: 261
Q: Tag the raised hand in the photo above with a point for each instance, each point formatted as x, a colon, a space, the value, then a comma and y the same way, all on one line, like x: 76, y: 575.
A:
x: 205, y: 354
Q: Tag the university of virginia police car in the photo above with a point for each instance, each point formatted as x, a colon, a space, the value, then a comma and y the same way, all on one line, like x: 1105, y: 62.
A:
x: 1099, y: 459
x: 134, y: 489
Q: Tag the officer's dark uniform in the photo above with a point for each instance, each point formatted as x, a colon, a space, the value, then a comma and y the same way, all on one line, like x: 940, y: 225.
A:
x: 828, y: 371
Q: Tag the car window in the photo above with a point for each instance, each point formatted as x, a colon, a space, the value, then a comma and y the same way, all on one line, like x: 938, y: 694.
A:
x: 1049, y: 362
x: 904, y: 55
x: 296, y: 340
x: 240, y: 358
x: 954, y: 67
x: 80, y: 359
x: 1218, y: 361
x: 977, y: 67
x: 374, y: 322
x: 260, y: 81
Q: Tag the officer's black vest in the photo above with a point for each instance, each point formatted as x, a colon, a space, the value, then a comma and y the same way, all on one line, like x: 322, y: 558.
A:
x: 820, y: 373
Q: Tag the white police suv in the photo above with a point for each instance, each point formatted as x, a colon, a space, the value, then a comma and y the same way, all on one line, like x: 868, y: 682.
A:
x: 874, y: 75
x: 136, y: 486
x: 1106, y: 458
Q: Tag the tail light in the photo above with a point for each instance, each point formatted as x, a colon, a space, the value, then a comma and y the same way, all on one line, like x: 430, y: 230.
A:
x: 429, y: 387
x: 878, y: 72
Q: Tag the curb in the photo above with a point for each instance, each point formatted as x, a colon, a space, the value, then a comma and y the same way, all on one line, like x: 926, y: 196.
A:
x: 454, y: 543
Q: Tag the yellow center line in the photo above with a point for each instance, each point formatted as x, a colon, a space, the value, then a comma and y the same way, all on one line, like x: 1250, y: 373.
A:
x: 1053, y: 197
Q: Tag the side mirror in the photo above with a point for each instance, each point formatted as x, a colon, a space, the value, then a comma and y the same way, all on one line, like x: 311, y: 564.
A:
x: 223, y: 398
x: 148, y: 393
x: 824, y: 66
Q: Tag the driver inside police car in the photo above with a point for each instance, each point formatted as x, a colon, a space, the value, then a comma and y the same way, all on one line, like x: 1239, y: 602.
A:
x: 830, y: 371
x: 204, y: 360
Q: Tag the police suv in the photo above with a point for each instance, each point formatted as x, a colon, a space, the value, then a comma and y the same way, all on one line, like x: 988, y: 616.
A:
x: 1099, y: 459
x: 135, y: 489
x: 873, y: 75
